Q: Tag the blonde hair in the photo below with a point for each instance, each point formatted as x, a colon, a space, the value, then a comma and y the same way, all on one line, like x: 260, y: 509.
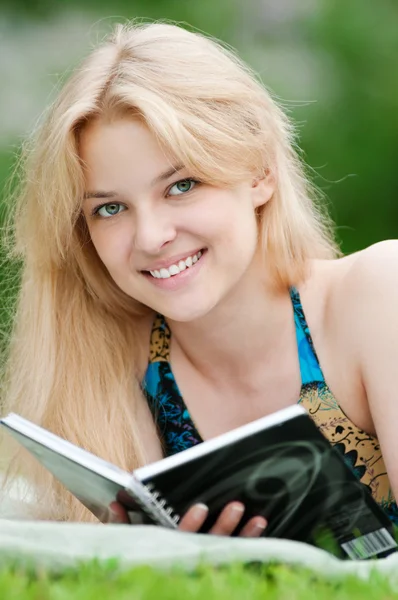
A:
x: 72, y: 360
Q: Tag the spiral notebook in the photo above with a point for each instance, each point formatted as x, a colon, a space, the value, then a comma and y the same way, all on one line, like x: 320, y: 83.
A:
x: 279, y: 466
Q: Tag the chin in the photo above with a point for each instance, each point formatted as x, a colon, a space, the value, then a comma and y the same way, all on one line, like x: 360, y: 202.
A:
x: 186, y: 314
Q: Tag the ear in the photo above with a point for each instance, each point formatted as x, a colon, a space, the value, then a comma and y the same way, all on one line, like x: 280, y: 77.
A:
x: 262, y: 189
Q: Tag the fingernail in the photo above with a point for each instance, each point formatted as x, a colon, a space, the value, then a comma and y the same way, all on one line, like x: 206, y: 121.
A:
x: 199, y: 511
x: 261, y: 525
x: 238, y: 507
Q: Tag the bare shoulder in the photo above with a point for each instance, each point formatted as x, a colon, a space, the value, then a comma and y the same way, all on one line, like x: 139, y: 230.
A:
x: 350, y: 305
x: 366, y: 300
x: 366, y: 277
x: 359, y: 296
x: 334, y: 285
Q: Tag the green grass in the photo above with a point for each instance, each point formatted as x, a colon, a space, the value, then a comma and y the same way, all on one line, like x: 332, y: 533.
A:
x: 94, y: 581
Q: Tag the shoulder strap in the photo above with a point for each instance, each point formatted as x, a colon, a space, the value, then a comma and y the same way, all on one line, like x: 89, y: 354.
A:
x: 159, y: 345
x: 309, y: 364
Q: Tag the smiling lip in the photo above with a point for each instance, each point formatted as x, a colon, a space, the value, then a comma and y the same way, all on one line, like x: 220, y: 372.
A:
x: 167, y: 262
x: 176, y: 282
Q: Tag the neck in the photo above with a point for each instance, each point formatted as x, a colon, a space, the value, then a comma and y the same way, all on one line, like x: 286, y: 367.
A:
x: 248, y: 329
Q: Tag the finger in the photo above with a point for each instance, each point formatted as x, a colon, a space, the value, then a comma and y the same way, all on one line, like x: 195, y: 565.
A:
x: 254, y: 527
x: 194, y: 518
x: 117, y: 514
x: 229, y: 519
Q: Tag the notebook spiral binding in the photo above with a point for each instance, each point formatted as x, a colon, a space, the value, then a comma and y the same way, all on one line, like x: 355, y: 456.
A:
x: 156, y: 506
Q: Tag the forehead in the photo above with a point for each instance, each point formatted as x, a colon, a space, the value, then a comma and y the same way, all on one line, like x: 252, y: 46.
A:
x: 119, y: 151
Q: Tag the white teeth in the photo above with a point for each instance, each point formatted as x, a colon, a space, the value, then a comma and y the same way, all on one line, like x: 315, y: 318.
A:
x: 175, y: 269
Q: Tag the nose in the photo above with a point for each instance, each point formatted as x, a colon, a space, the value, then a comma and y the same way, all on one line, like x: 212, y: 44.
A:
x: 153, y: 230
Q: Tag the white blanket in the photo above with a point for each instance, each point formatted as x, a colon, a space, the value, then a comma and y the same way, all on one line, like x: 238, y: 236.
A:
x: 55, y: 546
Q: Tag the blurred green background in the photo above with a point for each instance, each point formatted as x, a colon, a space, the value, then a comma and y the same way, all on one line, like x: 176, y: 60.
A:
x: 332, y: 63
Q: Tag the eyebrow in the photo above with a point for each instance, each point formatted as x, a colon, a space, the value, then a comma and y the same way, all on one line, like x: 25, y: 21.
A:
x: 162, y: 177
x: 166, y: 174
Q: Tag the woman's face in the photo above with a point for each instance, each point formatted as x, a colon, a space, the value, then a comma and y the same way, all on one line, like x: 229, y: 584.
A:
x: 174, y: 244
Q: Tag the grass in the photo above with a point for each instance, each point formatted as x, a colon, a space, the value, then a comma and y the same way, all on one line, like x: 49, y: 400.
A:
x: 273, y: 582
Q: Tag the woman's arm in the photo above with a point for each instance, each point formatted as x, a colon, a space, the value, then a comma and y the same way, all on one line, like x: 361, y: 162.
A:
x: 371, y: 305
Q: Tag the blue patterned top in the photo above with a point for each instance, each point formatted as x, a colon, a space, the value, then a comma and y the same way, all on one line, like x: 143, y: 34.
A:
x: 177, y: 431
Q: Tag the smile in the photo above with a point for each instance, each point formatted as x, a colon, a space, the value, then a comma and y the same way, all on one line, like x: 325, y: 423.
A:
x: 173, y: 270
x: 179, y: 274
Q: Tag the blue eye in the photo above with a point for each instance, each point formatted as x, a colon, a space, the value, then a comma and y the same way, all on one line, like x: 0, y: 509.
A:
x: 109, y: 210
x: 182, y: 187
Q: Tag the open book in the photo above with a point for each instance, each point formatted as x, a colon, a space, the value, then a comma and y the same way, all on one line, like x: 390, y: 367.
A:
x: 280, y: 467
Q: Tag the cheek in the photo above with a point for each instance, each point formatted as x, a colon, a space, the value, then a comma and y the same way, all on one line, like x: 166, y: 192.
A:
x: 241, y: 244
x: 112, y: 247
x: 240, y: 232
x: 227, y: 216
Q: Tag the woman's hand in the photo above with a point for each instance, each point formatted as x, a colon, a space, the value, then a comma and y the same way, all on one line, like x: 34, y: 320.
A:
x: 226, y: 523
x: 194, y: 518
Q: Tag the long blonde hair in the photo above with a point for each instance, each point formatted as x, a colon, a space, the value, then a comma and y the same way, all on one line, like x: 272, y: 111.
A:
x: 73, y: 353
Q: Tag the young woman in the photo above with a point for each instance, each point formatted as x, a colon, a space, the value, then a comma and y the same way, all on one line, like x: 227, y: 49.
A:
x: 179, y: 280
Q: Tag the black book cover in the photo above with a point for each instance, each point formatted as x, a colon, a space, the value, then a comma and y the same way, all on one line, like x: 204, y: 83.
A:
x: 290, y: 474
